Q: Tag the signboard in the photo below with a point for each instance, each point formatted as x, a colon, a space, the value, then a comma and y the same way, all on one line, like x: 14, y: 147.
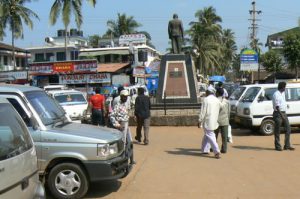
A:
x: 13, y: 75
x: 48, y: 68
x: 249, y: 60
x: 63, y: 67
x: 126, y: 40
x: 85, y: 78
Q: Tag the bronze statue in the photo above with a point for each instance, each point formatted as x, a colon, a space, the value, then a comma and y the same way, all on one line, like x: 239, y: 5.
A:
x: 175, y: 30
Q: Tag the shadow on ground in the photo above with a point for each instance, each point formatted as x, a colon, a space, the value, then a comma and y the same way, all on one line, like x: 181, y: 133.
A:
x: 189, y: 151
x: 98, y: 189
x: 254, y: 148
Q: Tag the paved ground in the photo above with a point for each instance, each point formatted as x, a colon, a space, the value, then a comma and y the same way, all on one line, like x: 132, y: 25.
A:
x: 172, y: 167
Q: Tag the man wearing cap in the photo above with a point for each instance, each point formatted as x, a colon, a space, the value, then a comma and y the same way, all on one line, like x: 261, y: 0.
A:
x: 119, y: 118
x: 208, y: 118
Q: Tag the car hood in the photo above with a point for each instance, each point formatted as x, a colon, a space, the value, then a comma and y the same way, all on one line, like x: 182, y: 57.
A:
x: 85, y: 133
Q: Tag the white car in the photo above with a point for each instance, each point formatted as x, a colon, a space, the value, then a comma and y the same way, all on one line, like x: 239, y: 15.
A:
x: 73, y: 102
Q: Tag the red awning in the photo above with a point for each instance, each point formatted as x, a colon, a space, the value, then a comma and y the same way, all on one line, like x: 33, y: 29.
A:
x: 111, y: 67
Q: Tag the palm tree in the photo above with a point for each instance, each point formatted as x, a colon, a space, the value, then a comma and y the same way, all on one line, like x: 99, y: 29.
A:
x: 228, y: 50
x: 123, y: 25
x: 205, y: 36
x: 67, y: 8
x: 12, y: 14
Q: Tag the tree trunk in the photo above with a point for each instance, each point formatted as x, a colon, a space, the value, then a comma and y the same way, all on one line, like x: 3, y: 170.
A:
x: 66, y: 46
x: 13, y: 45
x: 296, y: 73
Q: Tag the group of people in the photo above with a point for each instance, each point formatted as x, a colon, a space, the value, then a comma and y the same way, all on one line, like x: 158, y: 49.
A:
x: 118, y: 113
x: 215, y: 115
x: 214, y: 119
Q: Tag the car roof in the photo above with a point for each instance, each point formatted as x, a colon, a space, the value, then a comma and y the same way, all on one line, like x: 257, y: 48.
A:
x: 3, y: 100
x: 17, y: 88
x: 64, y: 91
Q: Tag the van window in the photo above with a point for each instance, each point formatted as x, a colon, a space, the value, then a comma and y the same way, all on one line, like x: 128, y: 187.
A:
x: 14, y: 136
x: 237, y: 93
x: 269, y: 93
x: 251, y: 94
x: 293, y: 94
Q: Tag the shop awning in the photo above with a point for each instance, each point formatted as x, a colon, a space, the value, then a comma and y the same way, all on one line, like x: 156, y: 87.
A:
x: 103, y: 52
x: 111, y: 67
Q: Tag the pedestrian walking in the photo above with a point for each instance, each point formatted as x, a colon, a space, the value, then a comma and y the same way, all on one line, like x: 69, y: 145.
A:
x: 280, y: 117
x: 142, y: 114
x: 117, y: 99
x: 208, y: 118
x: 97, y: 104
x: 225, y: 93
x: 119, y: 118
x: 223, y: 119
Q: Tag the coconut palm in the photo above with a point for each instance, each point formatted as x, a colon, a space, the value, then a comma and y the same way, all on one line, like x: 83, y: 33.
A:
x: 123, y: 25
x: 228, y: 50
x: 13, y: 14
x: 66, y: 8
x: 205, y: 39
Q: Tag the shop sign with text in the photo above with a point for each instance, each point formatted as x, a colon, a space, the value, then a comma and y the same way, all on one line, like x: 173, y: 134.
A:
x: 85, y: 78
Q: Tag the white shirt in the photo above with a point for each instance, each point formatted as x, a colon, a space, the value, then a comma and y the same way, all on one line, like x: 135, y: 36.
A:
x: 279, y: 100
x: 209, y: 112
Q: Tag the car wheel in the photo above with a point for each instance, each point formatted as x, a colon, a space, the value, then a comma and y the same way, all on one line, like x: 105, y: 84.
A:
x: 267, y: 127
x: 67, y: 180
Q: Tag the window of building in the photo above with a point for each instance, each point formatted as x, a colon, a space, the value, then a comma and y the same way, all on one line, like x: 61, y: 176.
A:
x: 60, y: 56
x: 49, y: 56
x: 107, y: 59
x: 125, y: 58
x: 39, y: 57
x: 74, y: 55
x: 5, y: 60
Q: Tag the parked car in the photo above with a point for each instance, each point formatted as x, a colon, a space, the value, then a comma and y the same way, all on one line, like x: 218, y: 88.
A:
x: 70, y: 155
x: 73, y: 102
x: 18, y: 159
x: 234, y: 99
x: 255, y: 109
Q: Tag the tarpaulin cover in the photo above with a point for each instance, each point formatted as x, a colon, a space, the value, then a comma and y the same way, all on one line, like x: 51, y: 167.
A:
x: 217, y: 78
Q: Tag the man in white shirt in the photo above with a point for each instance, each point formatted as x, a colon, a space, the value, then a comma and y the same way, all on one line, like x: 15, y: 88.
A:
x: 279, y: 116
x: 208, y: 118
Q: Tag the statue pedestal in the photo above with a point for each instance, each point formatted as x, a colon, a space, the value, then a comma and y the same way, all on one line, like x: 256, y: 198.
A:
x: 176, y: 80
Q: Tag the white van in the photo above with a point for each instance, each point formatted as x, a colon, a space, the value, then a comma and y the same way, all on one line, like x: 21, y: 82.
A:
x: 255, y: 109
x: 235, y: 97
x: 18, y: 159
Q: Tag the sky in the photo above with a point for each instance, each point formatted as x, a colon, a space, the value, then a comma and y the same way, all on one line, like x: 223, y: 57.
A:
x: 276, y: 16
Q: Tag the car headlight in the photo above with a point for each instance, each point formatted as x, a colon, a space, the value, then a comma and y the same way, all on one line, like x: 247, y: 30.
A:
x: 106, y: 150
x: 246, y: 111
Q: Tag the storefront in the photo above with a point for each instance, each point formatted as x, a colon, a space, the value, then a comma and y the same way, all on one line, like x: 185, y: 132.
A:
x: 14, y: 77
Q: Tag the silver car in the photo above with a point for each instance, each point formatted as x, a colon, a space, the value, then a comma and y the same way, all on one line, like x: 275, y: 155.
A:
x: 18, y: 160
x: 70, y: 155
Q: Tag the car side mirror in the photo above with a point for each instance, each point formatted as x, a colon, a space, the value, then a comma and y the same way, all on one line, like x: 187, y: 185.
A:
x: 34, y: 123
x: 261, y: 98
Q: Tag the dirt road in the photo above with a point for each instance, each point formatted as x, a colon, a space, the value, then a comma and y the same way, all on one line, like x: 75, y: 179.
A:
x: 172, y: 167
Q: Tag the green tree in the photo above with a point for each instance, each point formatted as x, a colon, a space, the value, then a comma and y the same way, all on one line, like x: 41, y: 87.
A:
x: 291, y: 51
x: 228, y: 50
x: 94, y: 40
x: 67, y: 8
x: 272, y: 61
x: 13, y: 14
x: 205, y: 39
x: 123, y: 25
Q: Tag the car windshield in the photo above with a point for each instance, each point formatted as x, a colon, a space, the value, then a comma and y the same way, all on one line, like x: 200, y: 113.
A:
x: 237, y: 93
x: 251, y: 94
x: 48, y: 110
x: 71, y: 98
x: 14, y: 136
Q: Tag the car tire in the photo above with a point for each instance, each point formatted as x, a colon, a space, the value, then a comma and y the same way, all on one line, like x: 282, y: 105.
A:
x: 267, y: 127
x: 67, y: 180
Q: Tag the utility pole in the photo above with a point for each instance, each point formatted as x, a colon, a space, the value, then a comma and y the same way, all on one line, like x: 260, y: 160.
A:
x: 254, y: 28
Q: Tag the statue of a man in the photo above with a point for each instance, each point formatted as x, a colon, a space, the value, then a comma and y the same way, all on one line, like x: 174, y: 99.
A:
x: 175, y: 30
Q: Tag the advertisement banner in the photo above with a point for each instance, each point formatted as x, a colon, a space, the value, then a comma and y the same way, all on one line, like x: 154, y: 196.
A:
x: 85, y: 78
x: 249, y: 60
x: 63, y: 67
